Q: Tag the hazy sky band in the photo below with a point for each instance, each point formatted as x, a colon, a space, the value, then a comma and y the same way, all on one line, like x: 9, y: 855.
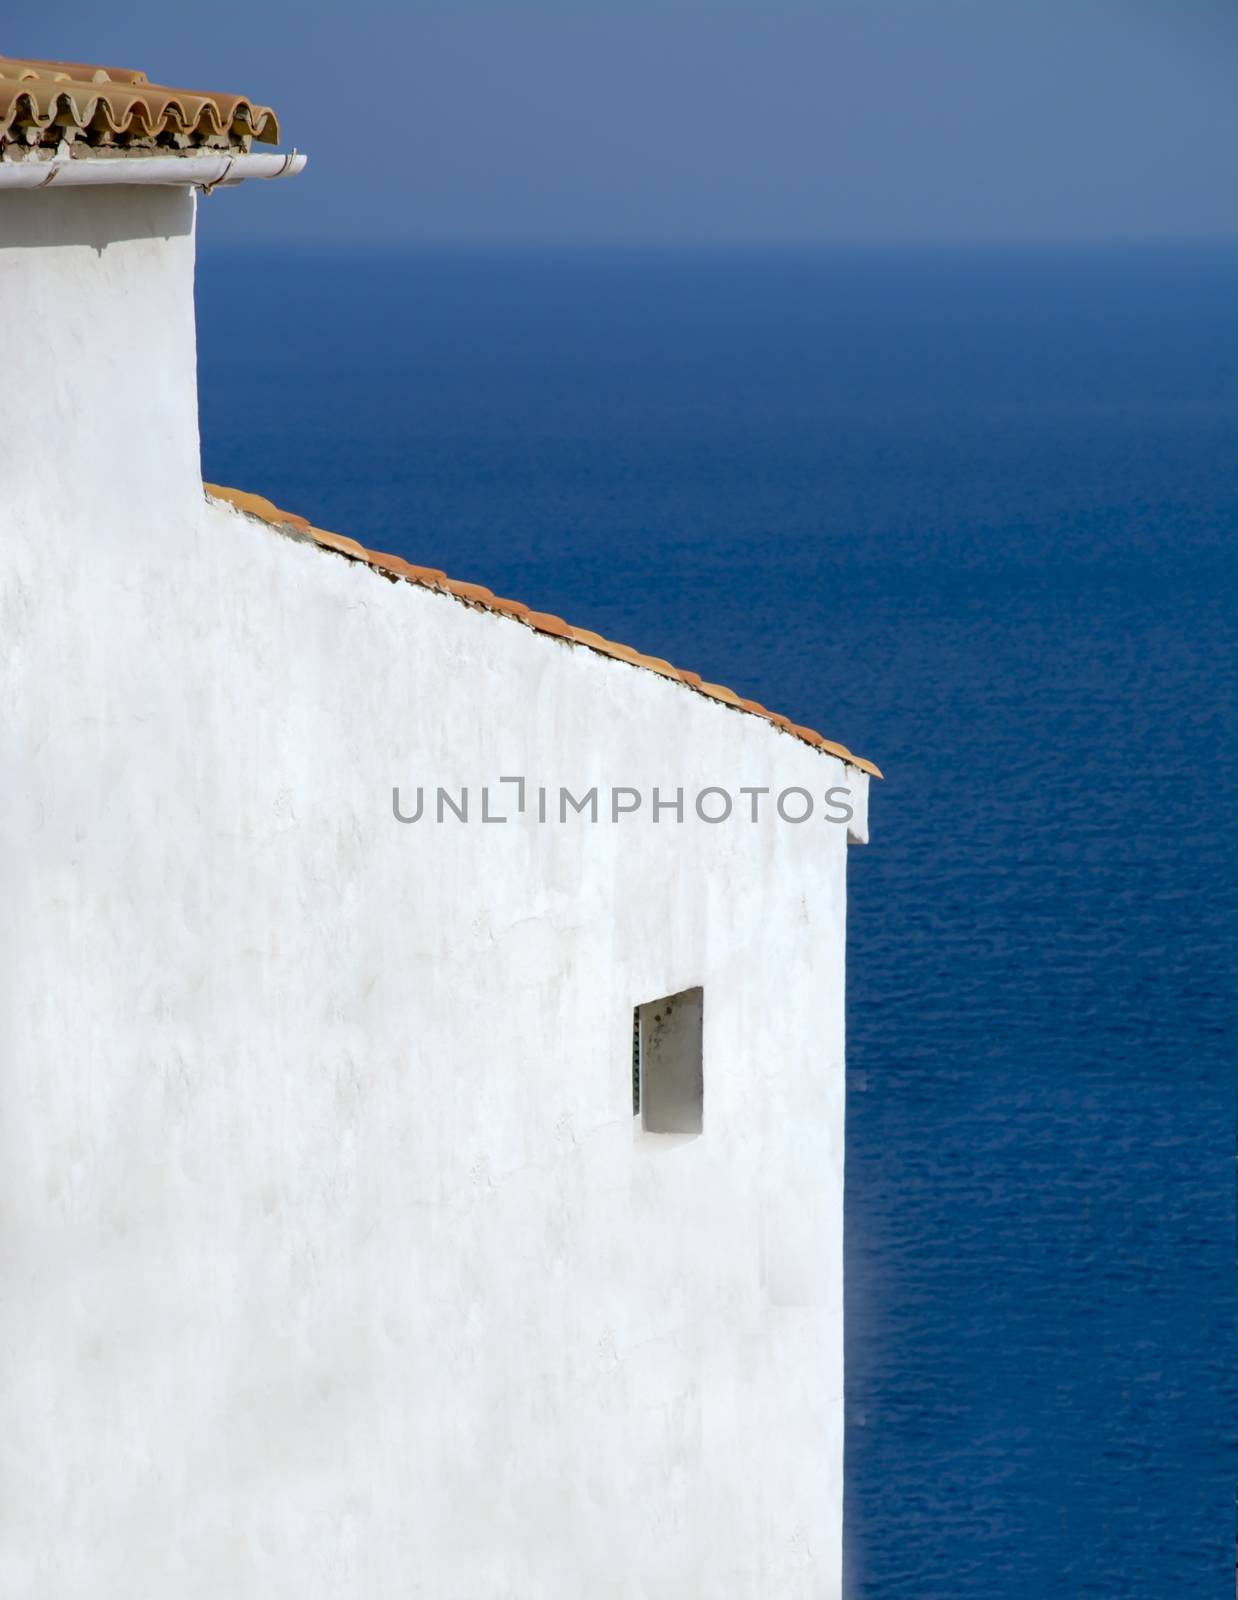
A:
x: 688, y: 124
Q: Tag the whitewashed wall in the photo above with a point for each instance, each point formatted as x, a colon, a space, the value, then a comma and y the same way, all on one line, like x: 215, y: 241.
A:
x: 334, y: 1262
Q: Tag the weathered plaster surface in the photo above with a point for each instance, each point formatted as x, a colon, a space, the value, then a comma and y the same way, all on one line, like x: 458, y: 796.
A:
x: 334, y: 1261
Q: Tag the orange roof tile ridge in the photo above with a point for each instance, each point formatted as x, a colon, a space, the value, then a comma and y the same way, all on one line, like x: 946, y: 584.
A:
x: 475, y: 595
x: 43, y: 103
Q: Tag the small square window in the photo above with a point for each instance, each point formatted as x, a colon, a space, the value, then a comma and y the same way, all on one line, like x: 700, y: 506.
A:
x: 668, y: 1079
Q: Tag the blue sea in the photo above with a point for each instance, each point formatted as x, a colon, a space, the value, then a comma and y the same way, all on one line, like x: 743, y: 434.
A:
x: 975, y: 514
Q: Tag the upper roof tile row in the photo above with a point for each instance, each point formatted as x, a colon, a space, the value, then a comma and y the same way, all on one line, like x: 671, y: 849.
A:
x: 47, y: 102
x: 475, y: 594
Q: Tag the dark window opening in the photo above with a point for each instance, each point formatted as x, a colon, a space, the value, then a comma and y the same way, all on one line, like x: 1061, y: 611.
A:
x: 668, y: 1079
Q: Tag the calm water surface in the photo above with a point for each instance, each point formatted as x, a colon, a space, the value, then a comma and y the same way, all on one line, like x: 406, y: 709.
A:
x: 975, y: 515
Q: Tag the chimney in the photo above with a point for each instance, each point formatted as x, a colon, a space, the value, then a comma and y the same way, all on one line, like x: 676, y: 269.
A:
x: 99, y: 176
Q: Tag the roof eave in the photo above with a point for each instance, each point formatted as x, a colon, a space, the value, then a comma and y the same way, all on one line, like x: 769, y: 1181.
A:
x: 394, y: 567
x: 198, y: 169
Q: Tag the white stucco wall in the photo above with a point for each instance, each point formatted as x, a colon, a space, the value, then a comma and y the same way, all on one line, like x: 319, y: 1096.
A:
x: 98, y: 362
x: 334, y: 1261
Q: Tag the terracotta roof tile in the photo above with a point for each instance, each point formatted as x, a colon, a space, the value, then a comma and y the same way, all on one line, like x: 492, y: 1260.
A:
x: 391, y: 567
x: 475, y: 592
x: 656, y: 664
x: 333, y: 541
x: 426, y: 575
x: 259, y: 506
x: 117, y: 108
x: 719, y: 691
x: 544, y: 622
x: 509, y: 608
x: 620, y: 652
x: 541, y: 621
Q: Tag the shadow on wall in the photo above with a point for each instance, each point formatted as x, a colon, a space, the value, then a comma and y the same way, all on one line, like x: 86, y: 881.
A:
x: 93, y: 217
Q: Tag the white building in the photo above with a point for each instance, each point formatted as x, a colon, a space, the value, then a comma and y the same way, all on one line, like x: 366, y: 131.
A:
x: 350, y: 1246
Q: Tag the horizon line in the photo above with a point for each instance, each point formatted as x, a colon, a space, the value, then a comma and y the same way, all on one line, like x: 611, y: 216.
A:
x: 454, y: 246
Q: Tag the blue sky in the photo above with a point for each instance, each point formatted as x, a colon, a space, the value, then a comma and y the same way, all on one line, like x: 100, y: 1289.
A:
x: 685, y: 124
